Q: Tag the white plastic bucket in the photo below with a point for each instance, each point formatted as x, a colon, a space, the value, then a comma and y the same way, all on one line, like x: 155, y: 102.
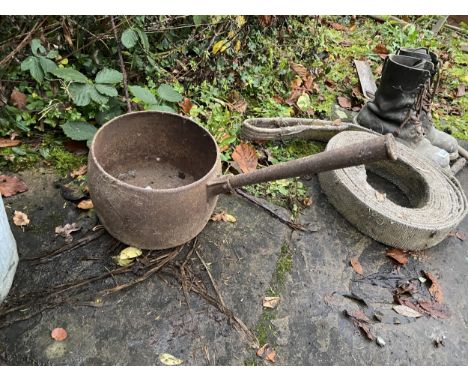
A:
x: 8, y: 254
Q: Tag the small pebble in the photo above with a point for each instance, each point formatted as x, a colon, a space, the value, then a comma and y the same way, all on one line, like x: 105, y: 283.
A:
x: 380, y: 341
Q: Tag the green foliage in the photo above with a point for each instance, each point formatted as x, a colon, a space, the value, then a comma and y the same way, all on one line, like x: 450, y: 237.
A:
x: 165, y: 93
x: 39, y: 64
x: 79, y: 131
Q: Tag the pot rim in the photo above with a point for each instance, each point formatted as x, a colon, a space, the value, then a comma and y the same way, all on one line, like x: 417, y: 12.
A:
x: 203, y: 179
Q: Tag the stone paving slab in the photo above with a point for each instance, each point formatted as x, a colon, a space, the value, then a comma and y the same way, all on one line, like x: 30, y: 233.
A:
x: 134, y: 326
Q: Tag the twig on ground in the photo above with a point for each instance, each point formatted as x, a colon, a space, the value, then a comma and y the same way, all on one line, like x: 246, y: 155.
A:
x: 266, y: 207
x: 122, y: 65
x: 93, y: 235
x: 213, y: 283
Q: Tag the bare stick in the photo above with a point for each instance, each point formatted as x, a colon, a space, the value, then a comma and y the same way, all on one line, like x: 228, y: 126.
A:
x: 259, y: 203
x: 122, y: 66
x: 213, y: 283
x: 22, y: 44
x: 67, y: 247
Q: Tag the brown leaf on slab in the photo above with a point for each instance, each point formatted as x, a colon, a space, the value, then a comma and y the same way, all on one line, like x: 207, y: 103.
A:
x: 66, y: 230
x: 267, y: 352
x: 434, y: 309
x: 223, y: 216
x: 400, y: 256
x: 20, y: 219
x: 458, y: 234
x: 79, y: 171
x: 380, y: 49
x: 435, y: 289
x: 338, y: 26
x: 360, y: 320
x: 461, y: 90
x: 18, y: 99
x: 186, y: 105
x: 85, y: 204
x: 270, y: 302
x: 406, y: 311
x: 307, y: 201
x: 300, y: 70
x: 11, y: 185
x: 59, y: 334
x: 239, y: 106
x: 9, y: 142
x: 356, y: 265
x: 246, y: 157
x: 344, y: 102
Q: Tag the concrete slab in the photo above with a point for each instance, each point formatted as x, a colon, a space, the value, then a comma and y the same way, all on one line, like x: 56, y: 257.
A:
x: 134, y: 326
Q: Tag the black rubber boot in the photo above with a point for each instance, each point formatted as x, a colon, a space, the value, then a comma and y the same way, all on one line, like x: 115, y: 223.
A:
x: 397, y: 105
x: 436, y: 137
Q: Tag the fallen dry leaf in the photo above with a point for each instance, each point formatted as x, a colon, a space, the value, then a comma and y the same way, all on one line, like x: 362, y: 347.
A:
x: 267, y: 352
x: 278, y: 99
x: 434, y: 309
x: 18, y: 99
x: 338, y: 26
x: 79, y: 171
x: 169, y: 359
x: 127, y: 256
x: 59, y: 334
x: 307, y: 201
x: 346, y: 43
x: 9, y: 142
x: 435, y: 289
x: 239, y: 106
x: 406, y: 311
x: 344, y: 102
x: 11, y: 185
x: 265, y: 21
x: 186, y: 105
x: 400, y: 256
x: 380, y: 49
x: 270, y: 302
x: 458, y: 234
x: 66, y: 230
x: 20, y: 219
x: 461, y: 90
x: 223, y: 216
x: 300, y: 70
x: 85, y: 204
x: 360, y: 320
x: 246, y: 157
x: 356, y: 265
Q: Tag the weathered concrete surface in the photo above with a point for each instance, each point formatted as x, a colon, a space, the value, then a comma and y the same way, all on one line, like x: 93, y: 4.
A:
x: 134, y: 326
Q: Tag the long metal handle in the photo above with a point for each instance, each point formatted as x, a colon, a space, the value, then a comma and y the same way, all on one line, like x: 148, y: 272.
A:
x: 368, y: 151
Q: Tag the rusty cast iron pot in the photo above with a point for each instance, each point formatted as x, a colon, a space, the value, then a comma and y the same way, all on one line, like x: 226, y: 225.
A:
x: 154, y: 177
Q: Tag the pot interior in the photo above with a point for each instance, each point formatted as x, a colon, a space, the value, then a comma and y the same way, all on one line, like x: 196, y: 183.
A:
x: 155, y: 150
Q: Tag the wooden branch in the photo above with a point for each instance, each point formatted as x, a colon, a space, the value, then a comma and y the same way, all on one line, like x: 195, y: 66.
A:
x: 22, y: 44
x: 122, y: 65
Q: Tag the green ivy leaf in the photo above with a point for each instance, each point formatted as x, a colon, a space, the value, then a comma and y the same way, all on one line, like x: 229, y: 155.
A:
x: 48, y: 66
x: 96, y: 97
x: 143, y: 38
x: 80, y: 93
x: 109, y: 76
x: 107, y: 90
x: 143, y: 94
x: 79, y: 131
x: 69, y: 74
x: 129, y: 38
x: 18, y: 151
x: 168, y: 93
x: 37, y: 46
x: 32, y: 64
x: 164, y: 108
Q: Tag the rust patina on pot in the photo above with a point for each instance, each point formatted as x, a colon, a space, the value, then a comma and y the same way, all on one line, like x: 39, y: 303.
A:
x: 154, y: 177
